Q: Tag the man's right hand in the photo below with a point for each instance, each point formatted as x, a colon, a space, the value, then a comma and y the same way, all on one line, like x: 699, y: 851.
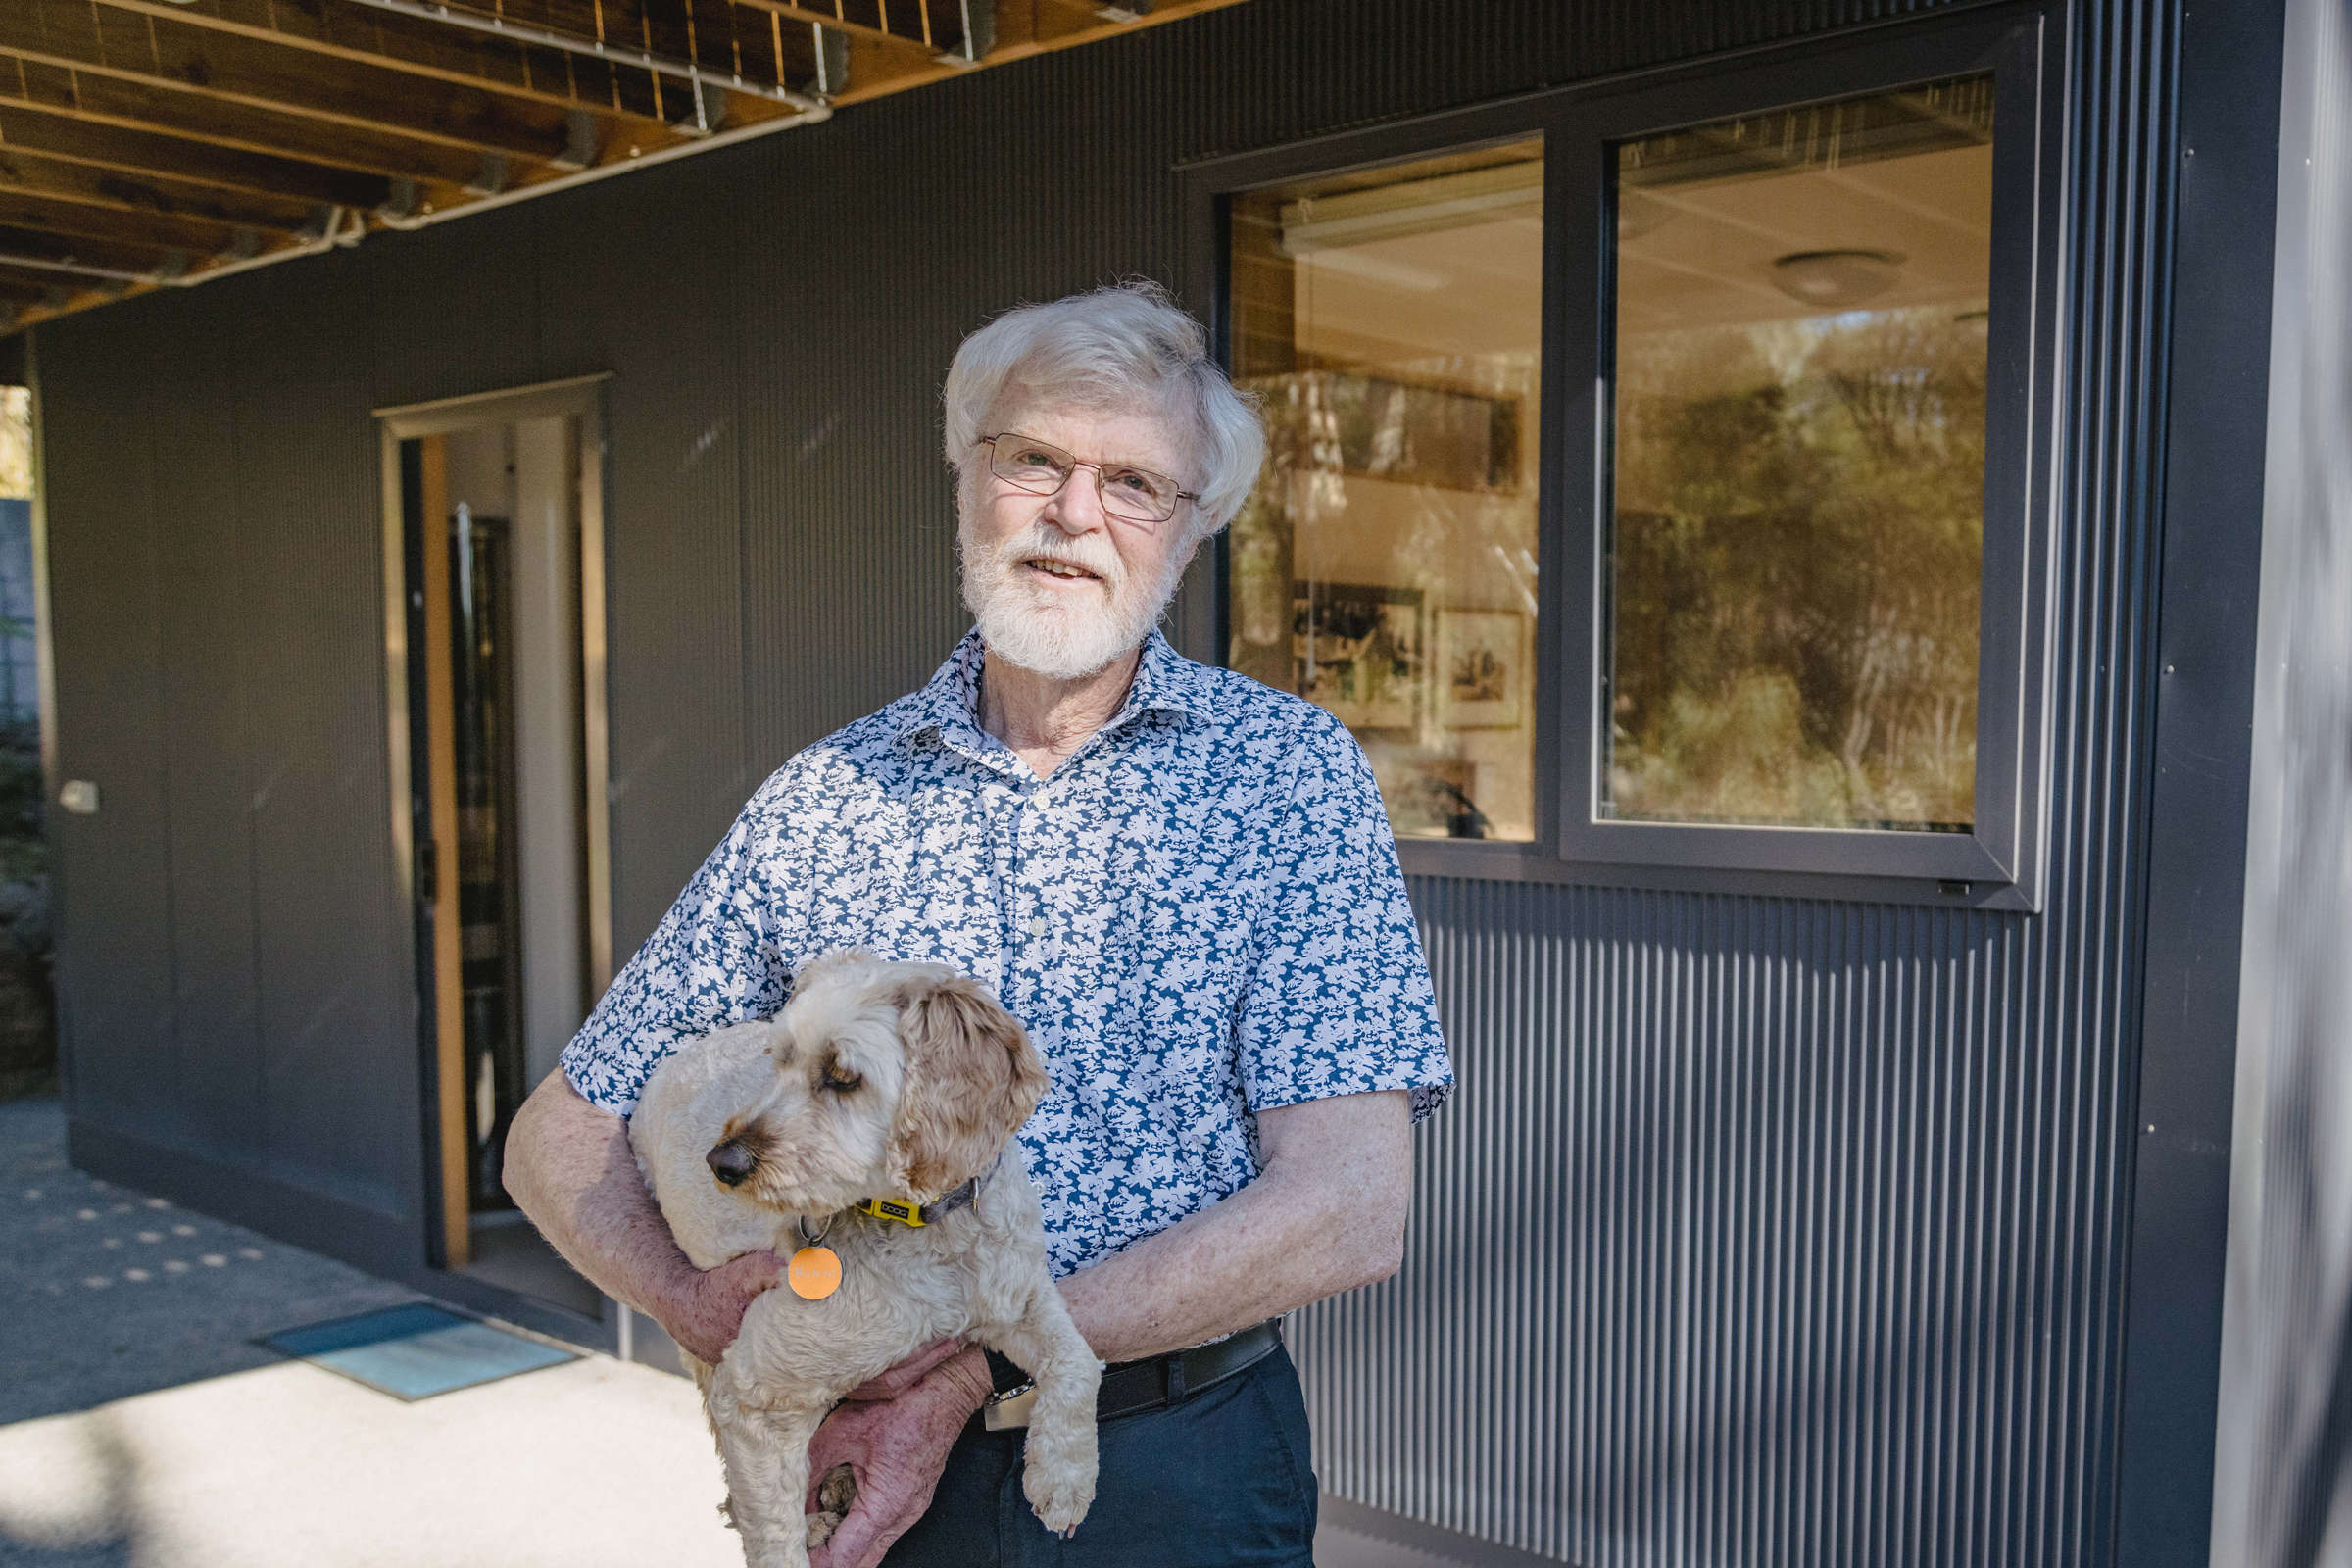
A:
x: 705, y: 1318
x: 570, y: 1166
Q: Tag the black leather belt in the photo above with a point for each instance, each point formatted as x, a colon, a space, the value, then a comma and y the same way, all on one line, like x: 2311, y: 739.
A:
x: 1130, y: 1388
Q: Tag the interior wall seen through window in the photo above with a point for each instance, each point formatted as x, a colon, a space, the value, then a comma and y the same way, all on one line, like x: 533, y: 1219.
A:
x: 1386, y: 566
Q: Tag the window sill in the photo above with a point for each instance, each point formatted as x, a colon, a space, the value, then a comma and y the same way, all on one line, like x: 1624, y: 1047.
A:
x: 1528, y: 862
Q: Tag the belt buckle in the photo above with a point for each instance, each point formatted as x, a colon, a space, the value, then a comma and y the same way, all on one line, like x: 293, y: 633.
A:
x: 1010, y: 1412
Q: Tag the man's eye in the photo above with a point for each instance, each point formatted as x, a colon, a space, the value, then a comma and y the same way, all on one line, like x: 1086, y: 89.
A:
x: 1130, y: 479
x: 1030, y: 457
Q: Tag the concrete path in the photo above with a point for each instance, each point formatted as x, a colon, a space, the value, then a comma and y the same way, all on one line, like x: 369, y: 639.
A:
x: 139, y: 1425
x: 141, y: 1428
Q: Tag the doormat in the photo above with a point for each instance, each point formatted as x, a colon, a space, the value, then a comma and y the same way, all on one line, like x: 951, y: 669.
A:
x: 415, y: 1351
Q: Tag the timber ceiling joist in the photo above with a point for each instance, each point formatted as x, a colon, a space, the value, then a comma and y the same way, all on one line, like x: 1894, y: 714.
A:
x: 159, y: 143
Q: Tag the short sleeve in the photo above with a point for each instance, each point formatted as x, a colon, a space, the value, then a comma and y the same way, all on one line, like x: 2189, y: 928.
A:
x: 1339, y: 1000
x: 715, y: 958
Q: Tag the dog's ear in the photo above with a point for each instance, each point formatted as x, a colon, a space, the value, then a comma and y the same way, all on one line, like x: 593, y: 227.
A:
x: 971, y: 1079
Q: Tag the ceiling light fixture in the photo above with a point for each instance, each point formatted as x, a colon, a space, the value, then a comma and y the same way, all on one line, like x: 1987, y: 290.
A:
x: 1835, y: 279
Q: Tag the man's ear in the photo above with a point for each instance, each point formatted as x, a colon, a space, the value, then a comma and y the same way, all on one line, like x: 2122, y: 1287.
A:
x: 971, y: 1079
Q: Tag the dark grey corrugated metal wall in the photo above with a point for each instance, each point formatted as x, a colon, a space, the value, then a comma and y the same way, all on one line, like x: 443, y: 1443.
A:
x: 1763, y: 1231
x: 1791, y: 1231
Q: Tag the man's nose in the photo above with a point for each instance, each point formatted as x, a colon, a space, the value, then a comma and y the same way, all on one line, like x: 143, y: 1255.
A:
x: 1077, y: 507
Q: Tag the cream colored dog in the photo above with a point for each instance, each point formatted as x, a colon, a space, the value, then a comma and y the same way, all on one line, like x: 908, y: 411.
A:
x: 878, y: 1081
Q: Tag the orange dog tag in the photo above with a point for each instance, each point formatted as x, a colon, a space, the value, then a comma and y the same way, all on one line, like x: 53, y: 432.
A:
x: 814, y: 1273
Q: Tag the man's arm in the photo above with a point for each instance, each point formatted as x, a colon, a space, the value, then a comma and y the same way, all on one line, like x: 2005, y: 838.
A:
x: 570, y: 1168
x: 1325, y: 1214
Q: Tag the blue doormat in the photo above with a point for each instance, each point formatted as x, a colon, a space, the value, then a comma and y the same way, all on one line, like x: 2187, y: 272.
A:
x: 415, y: 1351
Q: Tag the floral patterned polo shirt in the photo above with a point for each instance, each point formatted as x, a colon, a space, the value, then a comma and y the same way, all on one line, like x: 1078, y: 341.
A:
x: 1198, y: 916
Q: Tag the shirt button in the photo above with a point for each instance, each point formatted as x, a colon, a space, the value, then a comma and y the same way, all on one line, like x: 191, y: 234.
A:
x: 1037, y: 925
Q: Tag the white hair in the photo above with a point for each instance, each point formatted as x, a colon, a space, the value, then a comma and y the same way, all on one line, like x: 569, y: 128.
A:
x: 1130, y: 347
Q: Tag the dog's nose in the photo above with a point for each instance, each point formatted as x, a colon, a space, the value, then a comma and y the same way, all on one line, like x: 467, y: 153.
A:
x: 730, y: 1162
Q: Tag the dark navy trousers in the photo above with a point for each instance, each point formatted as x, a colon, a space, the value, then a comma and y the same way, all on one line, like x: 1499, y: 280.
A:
x: 1219, y: 1481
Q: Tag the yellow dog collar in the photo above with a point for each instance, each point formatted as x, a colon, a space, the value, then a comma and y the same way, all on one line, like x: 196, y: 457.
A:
x: 906, y: 1211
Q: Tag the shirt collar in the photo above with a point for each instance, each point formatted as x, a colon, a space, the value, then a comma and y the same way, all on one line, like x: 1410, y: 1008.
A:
x: 1166, y: 681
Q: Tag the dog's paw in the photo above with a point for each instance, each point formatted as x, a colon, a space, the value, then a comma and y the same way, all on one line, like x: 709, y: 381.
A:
x: 838, y: 1489
x: 1060, y: 1494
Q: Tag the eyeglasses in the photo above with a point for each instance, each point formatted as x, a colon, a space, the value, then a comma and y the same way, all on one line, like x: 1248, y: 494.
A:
x: 1041, y: 468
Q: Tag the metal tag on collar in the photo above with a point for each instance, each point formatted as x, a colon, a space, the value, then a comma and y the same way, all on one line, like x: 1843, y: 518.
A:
x: 898, y: 1208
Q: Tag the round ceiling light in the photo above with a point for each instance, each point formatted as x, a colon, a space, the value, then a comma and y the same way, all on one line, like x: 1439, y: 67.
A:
x: 1835, y: 279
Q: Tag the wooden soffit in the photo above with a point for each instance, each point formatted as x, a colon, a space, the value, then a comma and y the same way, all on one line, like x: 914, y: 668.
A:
x: 159, y: 143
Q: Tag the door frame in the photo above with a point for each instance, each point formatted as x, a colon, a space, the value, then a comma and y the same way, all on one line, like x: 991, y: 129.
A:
x: 444, y: 1209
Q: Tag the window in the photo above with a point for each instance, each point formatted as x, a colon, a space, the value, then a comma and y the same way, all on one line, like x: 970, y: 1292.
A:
x: 1798, y: 509
x: 1659, y: 469
x: 1391, y: 321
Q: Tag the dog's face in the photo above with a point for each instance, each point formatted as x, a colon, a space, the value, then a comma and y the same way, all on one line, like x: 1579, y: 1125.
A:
x: 889, y: 1078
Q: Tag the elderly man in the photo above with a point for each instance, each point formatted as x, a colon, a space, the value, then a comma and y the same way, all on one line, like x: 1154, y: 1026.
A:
x: 1182, y: 883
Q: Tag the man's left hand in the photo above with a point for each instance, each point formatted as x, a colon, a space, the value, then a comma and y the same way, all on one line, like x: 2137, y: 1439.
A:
x: 895, y: 1446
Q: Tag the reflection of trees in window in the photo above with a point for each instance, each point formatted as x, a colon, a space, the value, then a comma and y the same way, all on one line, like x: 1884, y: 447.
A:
x: 1799, y: 539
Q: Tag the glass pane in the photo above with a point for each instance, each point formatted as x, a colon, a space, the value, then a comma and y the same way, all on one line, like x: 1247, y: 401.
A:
x: 1799, y: 464
x: 1386, y: 566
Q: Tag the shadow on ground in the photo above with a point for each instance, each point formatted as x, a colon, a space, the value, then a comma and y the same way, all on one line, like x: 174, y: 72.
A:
x: 88, y: 1522
x: 108, y: 1293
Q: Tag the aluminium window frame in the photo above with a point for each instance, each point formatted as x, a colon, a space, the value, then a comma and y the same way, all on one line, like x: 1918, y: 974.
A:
x: 1999, y: 863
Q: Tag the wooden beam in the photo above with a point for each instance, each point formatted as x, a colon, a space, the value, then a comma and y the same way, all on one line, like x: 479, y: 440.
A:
x: 245, y: 140
x: 175, y: 58
x: 424, y: 51
x: 104, y: 101
x: 279, y: 182
x: 77, y: 221
x: 907, y: 43
x: 30, y: 176
x: 1017, y: 39
x: 1053, y: 19
x: 138, y: 258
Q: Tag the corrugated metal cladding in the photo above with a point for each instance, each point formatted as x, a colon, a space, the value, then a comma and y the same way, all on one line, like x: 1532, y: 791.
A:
x: 1762, y: 1231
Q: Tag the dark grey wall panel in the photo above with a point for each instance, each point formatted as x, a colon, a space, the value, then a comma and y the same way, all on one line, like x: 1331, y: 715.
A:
x: 335, y: 1031
x: 210, y: 562
x: 1761, y: 1231
x: 640, y: 285
x: 114, y: 920
x: 453, y: 310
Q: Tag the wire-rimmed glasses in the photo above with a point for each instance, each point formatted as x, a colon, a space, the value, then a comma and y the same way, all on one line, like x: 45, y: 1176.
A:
x: 1041, y: 468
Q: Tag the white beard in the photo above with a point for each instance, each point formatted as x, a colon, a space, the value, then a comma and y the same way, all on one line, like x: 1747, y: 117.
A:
x: 1036, y: 628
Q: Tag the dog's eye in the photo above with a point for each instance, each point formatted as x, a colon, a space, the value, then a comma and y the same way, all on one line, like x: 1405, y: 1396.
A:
x: 838, y: 1077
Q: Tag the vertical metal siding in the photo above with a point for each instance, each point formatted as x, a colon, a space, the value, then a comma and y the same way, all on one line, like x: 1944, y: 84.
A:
x: 335, y: 1031
x: 1786, y: 1232
x: 640, y: 287
x: 1761, y: 1231
x: 113, y: 921
x: 209, y: 561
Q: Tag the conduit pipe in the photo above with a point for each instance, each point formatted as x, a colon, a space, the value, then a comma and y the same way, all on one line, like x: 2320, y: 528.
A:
x: 820, y: 113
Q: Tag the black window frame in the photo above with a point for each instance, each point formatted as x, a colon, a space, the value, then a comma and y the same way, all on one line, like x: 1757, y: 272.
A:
x: 1999, y: 863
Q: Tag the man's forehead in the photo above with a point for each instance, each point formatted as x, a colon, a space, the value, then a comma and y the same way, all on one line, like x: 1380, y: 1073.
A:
x: 1148, y: 437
